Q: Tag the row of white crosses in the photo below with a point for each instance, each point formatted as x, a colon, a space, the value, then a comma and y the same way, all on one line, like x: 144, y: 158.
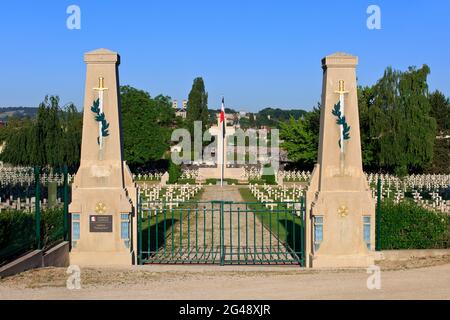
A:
x: 419, y: 185
x: 436, y: 202
x: 295, y: 175
x: 171, y: 196
x: 189, y: 174
x: 149, y: 176
x: 271, y: 195
x: 252, y: 173
x: 24, y: 176
x: 26, y: 204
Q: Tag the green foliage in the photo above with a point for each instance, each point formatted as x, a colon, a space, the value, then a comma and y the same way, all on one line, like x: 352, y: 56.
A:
x: 408, y: 226
x: 256, y: 181
x: 197, y: 106
x: 52, y: 226
x: 365, y: 97
x: 232, y: 181
x: 17, y: 230
x: 186, y: 181
x: 16, y: 233
x: 271, y: 117
x: 268, y: 175
x: 440, y: 110
x: 100, y: 117
x: 52, y: 139
x: 299, y: 141
x: 284, y: 228
x: 146, y: 125
x: 397, y: 126
x: 341, y: 121
x: 174, y: 172
x: 441, y: 157
x: 401, y: 130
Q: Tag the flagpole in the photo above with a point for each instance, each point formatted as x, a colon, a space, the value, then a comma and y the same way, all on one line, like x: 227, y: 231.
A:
x: 223, y: 155
x: 223, y: 148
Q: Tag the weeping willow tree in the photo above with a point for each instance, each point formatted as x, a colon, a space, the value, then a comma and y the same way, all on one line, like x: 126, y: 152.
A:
x: 401, y: 130
x: 52, y: 139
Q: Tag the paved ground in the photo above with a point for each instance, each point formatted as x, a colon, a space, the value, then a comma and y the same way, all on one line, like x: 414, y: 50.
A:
x: 419, y: 278
x: 400, y: 280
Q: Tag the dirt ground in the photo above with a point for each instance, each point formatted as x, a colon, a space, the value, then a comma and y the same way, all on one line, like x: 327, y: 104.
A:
x: 414, y: 279
x: 418, y: 278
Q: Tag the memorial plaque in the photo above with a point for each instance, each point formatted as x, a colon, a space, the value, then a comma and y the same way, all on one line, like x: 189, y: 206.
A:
x: 101, y: 223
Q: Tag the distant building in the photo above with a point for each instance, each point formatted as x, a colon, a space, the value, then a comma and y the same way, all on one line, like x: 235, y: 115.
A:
x: 243, y: 114
x: 180, y: 112
x: 229, y: 117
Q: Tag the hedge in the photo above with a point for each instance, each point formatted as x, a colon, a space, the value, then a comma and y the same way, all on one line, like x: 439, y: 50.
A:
x: 174, y: 173
x: 409, y: 226
x: 18, y: 231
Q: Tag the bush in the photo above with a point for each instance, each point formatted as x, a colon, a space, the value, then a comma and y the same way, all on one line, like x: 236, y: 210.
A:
x: 52, y: 226
x: 409, y: 226
x: 17, y: 233
x: 174, y: 172
x: 211, y: 181
x: 268, y: 175
x: 217, y: 181
x: 232, y: 181
x: 186, y: 181
x: 18, y: 230
x: 256, y: 181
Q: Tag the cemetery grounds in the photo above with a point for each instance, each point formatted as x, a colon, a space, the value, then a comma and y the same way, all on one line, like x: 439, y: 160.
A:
x: 413, y: 278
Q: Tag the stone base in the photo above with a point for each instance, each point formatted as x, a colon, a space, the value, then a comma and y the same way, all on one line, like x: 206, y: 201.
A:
x: 341, y: 261
x: 101, y: 258
x: 215, y: 173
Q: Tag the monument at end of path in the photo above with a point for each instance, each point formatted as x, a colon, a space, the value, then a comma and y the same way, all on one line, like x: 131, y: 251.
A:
x: 221, y: 156
x: 340, y: 211
x: 104, y: 196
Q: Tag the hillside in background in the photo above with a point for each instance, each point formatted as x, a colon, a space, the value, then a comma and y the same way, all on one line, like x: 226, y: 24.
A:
x: 17, y: 112
x: 266, y: 117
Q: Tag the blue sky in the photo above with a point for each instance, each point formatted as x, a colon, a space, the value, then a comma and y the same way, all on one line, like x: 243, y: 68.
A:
x: 257, y: 53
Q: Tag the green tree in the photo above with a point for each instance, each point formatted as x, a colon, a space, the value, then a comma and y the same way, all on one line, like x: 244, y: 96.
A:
x: 299, y: 141
x: 174, y: 172
x: 73, y: 126
x: 52, y: 139
x: 312, y: 121
x: 401, y: 128
x: 197, y: 105
x: 365, y: 99
x: 440, y: 110
x: 146, y: 125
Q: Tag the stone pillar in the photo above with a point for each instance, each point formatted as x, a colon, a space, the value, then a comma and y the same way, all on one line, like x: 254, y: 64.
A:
x: 338, y: 193
x: 104, y: 195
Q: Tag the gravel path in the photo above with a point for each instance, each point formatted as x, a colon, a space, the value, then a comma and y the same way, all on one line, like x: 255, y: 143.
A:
x: 231, y: 282
x: 245, y: 239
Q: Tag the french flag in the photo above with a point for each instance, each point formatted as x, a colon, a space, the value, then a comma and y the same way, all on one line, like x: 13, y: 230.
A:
x: 222, y: 117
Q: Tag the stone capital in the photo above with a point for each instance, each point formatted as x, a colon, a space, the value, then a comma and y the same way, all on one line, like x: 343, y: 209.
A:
x: 102, y: 56
x: 339, y: 60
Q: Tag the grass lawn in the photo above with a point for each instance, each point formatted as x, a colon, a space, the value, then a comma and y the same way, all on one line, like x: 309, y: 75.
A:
x: 156, y: 229
x: 282, y: 221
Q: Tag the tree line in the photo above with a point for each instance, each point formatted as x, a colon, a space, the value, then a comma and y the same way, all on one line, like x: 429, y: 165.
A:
x: 53, y: 137
x: 403, y: 126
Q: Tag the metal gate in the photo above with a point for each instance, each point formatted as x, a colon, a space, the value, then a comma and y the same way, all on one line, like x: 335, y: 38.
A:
x: 221, y: 232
